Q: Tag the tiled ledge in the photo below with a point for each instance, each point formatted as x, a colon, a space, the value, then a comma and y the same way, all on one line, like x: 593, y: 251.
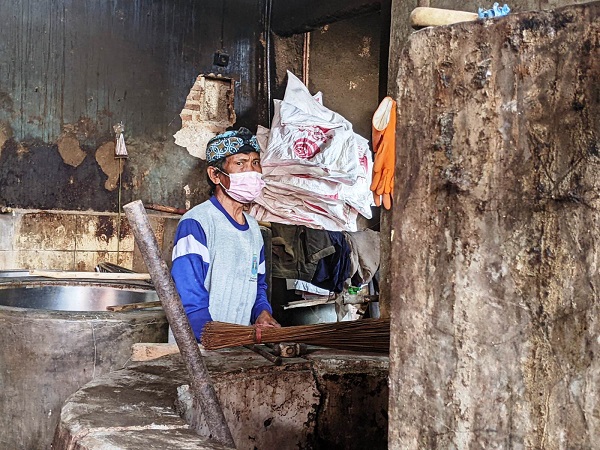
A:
x: 75, y: 240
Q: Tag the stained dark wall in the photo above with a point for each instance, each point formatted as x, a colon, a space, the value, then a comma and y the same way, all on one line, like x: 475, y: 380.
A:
x: 344, y: 65
x: 76, y: 67
x: 347, y: 56
x: 300, y: 16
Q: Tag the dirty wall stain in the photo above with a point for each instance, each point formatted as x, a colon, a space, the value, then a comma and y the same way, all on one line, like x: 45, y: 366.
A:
x: 45, y: 231
x: 34, y: 175
x: 70, y: 151
x: 5, y: 134
x: 105, y: 156
x: 105, y: 228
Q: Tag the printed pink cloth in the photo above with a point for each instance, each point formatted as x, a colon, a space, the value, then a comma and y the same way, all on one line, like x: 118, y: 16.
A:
x: 317, y: 170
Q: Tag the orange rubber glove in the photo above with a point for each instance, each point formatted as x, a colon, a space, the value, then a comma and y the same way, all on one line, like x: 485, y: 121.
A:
x: 384, y: 146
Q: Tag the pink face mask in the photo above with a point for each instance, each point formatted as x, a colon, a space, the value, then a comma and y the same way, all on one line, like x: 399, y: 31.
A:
x: 244, y: 187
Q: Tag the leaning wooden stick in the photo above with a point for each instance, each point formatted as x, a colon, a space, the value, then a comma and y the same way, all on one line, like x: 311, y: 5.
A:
x: 201, y: 384
x: 366, y: 335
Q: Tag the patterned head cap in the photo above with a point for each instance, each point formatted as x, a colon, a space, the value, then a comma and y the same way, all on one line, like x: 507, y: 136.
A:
x: 230, y: 143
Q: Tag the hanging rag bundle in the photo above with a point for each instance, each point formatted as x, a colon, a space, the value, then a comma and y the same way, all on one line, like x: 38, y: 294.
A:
x: 120, y: 148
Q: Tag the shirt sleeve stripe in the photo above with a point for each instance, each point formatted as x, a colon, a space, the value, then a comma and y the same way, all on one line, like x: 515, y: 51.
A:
x: 261, y: 267
x: 189, y: 245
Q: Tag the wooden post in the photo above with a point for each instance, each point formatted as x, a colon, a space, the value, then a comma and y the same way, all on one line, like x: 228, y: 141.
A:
x: 200, y: 383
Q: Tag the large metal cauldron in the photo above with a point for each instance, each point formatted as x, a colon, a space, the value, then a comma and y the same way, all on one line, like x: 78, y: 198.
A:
x: 57, y: 336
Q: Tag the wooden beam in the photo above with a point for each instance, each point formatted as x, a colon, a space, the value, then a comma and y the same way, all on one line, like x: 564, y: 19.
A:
x: 300, y: 16
x: 89, y: 275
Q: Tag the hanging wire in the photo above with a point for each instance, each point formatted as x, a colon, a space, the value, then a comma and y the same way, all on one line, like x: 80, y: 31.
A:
x: 119, y: 211
x: 222, y: 21
x: 268, y: 15
x: 120, y: 153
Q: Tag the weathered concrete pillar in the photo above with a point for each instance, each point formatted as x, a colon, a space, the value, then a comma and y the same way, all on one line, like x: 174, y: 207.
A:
x: 495, y: 320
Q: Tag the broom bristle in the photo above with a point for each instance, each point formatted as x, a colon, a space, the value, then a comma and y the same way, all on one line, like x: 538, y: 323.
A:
x: 372, y: 335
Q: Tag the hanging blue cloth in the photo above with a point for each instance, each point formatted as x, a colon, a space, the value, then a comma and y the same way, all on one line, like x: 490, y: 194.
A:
x: 333, y: 270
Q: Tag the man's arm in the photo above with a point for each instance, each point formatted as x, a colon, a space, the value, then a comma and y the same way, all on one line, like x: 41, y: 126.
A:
x: 262, y: 313
x: 191, y: 261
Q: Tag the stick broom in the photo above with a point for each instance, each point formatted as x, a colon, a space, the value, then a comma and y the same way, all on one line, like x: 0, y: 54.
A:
x: 371, y: 335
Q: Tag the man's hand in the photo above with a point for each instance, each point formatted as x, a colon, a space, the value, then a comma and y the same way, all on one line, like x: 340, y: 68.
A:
x: 265, y: 319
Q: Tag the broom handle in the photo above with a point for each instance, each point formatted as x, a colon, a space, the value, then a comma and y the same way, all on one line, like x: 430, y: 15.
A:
x: 200, y: 383
x: 265, y: 354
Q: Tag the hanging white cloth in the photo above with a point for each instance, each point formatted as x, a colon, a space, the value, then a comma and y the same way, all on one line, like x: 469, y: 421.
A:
x: 317, y: 170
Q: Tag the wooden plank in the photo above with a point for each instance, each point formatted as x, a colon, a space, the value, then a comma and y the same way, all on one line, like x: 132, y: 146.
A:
x: 149, y: 351
x: 304, y: 303
x: 133, y: 306
x: 429, y: 17
x: 89, y: 275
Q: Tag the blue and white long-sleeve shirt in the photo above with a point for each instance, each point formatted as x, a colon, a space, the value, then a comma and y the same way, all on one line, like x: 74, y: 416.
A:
x: 219, y: 267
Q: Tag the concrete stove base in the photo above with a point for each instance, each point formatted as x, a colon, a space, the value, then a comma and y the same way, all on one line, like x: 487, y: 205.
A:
x: 328, y: 400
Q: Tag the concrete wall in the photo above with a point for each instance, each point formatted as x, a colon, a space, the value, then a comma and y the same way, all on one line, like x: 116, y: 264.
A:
x: 48, y: 355
x: 342, y: 60
x: 70, y: 70
x: 399, y: 33
x: 493, y: 267
x: 325, y: 400
x: 344, y: 65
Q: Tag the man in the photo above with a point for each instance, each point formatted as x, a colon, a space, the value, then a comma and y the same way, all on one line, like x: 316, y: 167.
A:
x: 218, y: 257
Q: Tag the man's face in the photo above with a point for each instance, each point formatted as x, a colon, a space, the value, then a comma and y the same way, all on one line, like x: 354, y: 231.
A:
x: 240, y: 162
x: 243, y: 162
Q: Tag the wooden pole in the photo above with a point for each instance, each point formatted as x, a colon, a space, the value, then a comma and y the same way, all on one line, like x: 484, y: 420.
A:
x: 200, y: 383
x: 429, y: 17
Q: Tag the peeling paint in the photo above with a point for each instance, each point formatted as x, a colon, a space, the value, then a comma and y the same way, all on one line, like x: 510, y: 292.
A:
x: 105, y: 156
x: 133, y: 75
x: 188, y: 193
x: 70, y: 151
x: 21, y: 150
x: 208, y: 111
x: 6, y: 102
x: 44, y: 231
